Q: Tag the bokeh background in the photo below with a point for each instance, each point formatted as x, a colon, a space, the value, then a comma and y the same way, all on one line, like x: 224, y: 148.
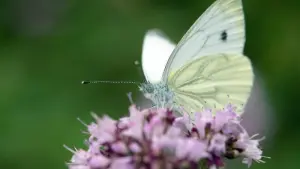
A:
x: 47, y: 47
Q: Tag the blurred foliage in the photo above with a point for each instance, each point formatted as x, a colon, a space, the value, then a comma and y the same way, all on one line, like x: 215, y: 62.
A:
x: 48, y: 46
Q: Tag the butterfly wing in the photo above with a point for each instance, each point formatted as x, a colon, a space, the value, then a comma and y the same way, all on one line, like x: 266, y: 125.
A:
x: 220, y: 29
x: 156, y: 52
x: 213, y: 81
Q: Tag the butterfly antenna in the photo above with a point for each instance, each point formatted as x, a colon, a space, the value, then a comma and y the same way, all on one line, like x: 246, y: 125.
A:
x: 137, y: 63
x: 106, y: 81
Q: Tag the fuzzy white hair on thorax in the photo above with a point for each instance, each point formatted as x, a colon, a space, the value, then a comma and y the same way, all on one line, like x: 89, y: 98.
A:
x: 159, y: 94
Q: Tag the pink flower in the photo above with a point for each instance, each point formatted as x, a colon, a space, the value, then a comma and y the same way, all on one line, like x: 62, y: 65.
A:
x: 192, y: 149
x: 184, y: 123
x: 156, y: 139
x: 218, y: 144
x: 136, y: 122
x: 224, y: 117
x: 250, y: 146
x: 103, y: 130
x: 75, y: 166
x: 202, y: 121
x: 122, y: 163
x: 98, y: 161
x: 119, y: 147
x: 79, y: 159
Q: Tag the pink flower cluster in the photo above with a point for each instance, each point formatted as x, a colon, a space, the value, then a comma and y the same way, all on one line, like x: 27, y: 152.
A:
x: 156, y: 139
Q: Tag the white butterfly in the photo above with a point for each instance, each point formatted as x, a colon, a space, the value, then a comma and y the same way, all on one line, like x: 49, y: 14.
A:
x: 207, y: 69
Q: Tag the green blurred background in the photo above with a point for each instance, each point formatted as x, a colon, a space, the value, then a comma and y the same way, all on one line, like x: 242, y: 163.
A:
x: 48, y: 46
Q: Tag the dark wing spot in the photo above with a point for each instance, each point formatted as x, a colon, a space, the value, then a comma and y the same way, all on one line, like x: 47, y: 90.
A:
x: 224, y: 36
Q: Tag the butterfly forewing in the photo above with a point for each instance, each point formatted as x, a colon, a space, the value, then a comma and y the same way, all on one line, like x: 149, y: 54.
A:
x: 220, y: 29
x: 157, y: 49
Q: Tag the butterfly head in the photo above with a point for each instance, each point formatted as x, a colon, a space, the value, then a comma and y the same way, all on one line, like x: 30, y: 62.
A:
x: 158, y: 93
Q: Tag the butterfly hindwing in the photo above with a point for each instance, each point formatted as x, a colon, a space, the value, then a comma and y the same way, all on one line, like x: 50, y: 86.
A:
x: 212, y: 81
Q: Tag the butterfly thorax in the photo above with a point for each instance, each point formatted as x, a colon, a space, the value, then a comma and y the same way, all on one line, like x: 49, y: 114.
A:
x: 159, y: 93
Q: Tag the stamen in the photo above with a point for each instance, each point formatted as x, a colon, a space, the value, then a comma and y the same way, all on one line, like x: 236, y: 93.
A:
x: 68, y: 148
x: 129, y: 95
x: 82, y: 122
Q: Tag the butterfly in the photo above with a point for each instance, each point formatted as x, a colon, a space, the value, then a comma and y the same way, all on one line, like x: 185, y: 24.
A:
x: 206, y: 69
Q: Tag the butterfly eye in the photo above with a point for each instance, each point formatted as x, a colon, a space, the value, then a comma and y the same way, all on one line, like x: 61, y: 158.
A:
x: 149, y: 89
